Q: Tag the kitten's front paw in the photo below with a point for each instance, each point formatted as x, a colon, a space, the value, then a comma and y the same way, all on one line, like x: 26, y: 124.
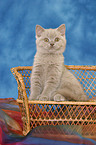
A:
x: 42, y: 98
x: 32, y: 97
x: 59, y: 97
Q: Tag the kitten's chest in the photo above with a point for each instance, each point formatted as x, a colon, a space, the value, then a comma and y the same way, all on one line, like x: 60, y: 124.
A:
x: 48, y: 64
x: 47, y: 60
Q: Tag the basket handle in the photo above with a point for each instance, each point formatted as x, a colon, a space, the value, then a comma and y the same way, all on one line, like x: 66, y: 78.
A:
x: 22, y: 98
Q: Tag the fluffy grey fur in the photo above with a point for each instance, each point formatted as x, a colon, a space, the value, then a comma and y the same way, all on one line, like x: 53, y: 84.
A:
x: 50, y: 79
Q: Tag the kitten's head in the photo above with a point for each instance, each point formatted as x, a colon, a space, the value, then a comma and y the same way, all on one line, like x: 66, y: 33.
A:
x: 50, y: 40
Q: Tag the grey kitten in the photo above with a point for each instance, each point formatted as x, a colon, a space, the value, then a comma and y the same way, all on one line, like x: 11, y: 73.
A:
x: 50, y: 79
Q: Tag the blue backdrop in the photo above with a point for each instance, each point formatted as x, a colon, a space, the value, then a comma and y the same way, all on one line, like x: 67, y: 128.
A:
x: 18, y: 19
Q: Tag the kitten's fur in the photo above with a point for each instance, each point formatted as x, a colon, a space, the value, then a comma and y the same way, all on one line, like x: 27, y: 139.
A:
x: 50, y: 80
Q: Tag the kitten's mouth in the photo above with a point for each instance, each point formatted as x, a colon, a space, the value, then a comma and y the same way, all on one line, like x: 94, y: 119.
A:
x: 52, y: 49
x: 51, y: 46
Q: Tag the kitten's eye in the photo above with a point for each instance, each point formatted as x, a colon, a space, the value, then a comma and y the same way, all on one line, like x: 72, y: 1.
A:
x: 46, y: 39
x: 56, y: 39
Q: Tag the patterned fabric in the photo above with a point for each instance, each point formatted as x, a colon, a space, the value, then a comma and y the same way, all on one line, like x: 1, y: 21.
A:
x: 11, y: 130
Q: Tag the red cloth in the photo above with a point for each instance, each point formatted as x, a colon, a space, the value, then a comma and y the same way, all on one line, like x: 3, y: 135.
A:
x: 11, y: 130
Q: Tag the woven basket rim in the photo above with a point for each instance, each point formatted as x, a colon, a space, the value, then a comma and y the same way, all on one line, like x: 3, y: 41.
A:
x: 93, y: 102
x: 73, y: 67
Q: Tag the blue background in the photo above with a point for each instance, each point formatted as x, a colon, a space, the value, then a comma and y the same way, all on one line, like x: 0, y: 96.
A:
x: 18, y: 19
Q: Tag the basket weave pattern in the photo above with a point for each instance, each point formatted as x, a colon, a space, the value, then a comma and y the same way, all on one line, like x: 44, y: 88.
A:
x: 37, y: 113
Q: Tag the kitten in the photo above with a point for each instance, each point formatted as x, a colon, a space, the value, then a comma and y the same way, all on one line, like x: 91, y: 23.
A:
x: 50, y: 79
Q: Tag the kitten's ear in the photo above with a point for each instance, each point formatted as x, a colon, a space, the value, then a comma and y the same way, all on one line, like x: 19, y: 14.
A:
x: 61, y: 29
x: 39, y: 30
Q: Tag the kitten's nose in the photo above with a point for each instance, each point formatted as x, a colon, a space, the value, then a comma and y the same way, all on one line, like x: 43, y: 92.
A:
x: 51, y: 44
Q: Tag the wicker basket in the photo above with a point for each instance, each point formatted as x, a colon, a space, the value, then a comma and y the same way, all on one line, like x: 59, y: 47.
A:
x: 37, y: 113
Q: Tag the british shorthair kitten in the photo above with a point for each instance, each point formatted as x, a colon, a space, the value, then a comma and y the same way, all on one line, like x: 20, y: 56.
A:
x: 50, y: 79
